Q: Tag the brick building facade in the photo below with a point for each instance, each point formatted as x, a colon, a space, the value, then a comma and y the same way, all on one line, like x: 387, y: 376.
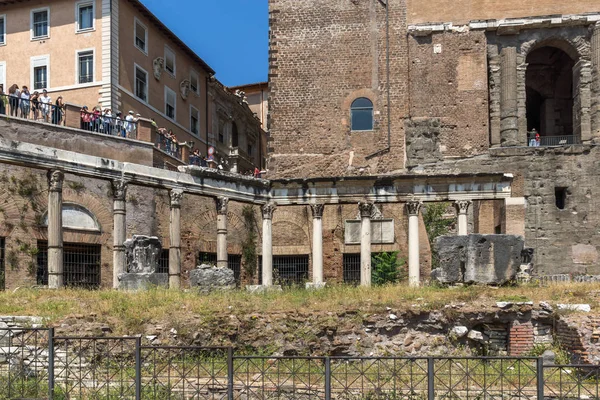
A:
x: 460, y: 88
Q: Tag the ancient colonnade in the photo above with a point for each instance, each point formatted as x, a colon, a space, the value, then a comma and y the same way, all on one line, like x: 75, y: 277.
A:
x: 119, y: 190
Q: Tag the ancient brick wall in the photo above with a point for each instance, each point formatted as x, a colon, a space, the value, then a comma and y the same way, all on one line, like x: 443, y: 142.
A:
x: 324, y: 55
x: 448, y: 84
x: 470, y: 10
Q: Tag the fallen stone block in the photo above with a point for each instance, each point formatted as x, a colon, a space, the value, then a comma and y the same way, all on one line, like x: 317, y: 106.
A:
x: 208, y: 278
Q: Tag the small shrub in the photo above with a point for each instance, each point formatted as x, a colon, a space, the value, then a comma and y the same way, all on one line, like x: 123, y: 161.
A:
x: 387, y: 268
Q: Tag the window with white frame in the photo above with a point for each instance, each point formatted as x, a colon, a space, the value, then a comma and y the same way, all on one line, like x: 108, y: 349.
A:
x: 85, y: 16
x: 40, y: 72
x: 141, y: 83
x: 194, y: 120
x: 85, y: 66
x: 141, y: 36
x: 40, y: 23
x: 194, y: 82
x: 169, y: 61
x: 170, y: 103
x: 2, y: 29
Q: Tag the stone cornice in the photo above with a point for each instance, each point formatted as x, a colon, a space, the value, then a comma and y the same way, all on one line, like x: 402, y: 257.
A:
x: 506, y: 26
x: 215, y: 183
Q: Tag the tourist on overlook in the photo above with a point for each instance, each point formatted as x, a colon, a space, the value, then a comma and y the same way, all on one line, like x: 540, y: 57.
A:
x: 45, y: 105
x: 57, y: 112
x: 119, y: 124
x: 34, y: 100
x: 3, y: 100
x: 107, y: 120
x: 129, y: 124
x: 25, y: 104
x: 14, y: 94
x: 86, y: 118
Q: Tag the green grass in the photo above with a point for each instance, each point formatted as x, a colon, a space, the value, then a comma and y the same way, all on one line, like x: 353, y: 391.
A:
x: 127, y: 313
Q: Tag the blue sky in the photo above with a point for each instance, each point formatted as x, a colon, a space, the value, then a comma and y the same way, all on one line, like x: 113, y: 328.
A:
x: 230, y: 35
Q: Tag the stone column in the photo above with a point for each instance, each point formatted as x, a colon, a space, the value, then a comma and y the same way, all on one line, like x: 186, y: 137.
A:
x: 222, y: 203
x: 175, y: 239
x: 267, y: 245
x: 119, y: 230
x: 366, y: 210
x: 317, y: 251
x: 462, y: 208
x: 414, y: 267
x: 55, y: 230
x: 595, y: 53
x: 508, y: 98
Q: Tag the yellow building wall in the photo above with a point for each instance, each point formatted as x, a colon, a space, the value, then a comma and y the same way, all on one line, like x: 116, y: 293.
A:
x: 130, y: 55
x: 62, y: 46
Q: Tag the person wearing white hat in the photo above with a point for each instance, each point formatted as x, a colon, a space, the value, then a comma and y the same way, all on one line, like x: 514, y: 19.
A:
x: 129, y: 124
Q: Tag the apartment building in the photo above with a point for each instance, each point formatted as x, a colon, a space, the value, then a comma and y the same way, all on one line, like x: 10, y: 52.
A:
x: 114, y: 54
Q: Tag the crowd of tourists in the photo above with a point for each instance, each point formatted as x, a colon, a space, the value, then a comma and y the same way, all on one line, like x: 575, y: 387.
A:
x: 109, y: 123
x: 20, y: 102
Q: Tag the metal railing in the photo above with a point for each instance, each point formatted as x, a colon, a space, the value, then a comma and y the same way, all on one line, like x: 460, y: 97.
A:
x: 545, y: 141
x: 287, y: 270
x: 82, y: 264
x: 34, y: 364
x: 167, y: 145
x: 108, y: 125
x: 31, y: 109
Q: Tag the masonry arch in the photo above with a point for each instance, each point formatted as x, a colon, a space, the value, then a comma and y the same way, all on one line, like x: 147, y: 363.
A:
x: 551, y: 92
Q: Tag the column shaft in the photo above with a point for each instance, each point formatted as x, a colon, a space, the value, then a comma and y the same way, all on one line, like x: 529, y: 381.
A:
x: 119, y: 230
x: 365, y: 243
x: 317, y: 255
x: 595, y: 98
x: 462, y: 208
x: 222, y: 231
x: 55, y: 231
x: 414, y: 266
x: 508, y: 98
x: 267, y: 245
x: 175, y: 240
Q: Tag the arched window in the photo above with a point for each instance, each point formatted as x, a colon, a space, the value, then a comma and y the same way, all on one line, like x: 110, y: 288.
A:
x: 362, y: 114
x: 77, y: 217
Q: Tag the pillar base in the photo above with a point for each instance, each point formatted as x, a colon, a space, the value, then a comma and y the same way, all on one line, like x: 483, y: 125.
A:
x: 258, y: 289
x: 315, y: 286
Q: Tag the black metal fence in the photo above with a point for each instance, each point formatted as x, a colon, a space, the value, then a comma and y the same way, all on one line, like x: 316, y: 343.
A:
x: 168, y: 145
x: 82, y: 264
x: 287, y: 270
x: 109, y: 124
x: 2, y: 265
x: 36, y: 364
x: 35, y: 109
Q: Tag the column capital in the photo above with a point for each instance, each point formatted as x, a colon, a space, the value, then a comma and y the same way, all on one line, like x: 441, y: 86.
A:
x: 222, y: 203
x: 267, y: 210
x: 55, y: 180
x: 119, y: 187
x: 366, y: 209
x: 176, y: 196
x: 413, y: 207
x: 462, y: 206
x: 317, y: 210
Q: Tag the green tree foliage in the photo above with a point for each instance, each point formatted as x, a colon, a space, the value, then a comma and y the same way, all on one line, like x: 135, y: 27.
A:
x: 249, y: 253
x: 436, y: 225
x: 387, y: 268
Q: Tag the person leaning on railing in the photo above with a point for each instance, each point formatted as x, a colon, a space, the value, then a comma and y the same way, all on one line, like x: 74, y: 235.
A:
x: 86, y: 118
x: 3, y: 100
x: 58, y: 111
x: 14, y: 94
x: 25, y: 104
x: 46, y: 105
x: 35, y: 105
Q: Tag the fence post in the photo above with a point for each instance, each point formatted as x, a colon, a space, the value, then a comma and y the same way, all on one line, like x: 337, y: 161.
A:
x: 430, y: 379
x: 540, y: 378
x: 230, y: 373
x: 50, y: 363
x: 138, y: 368
x: 327, y: 378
